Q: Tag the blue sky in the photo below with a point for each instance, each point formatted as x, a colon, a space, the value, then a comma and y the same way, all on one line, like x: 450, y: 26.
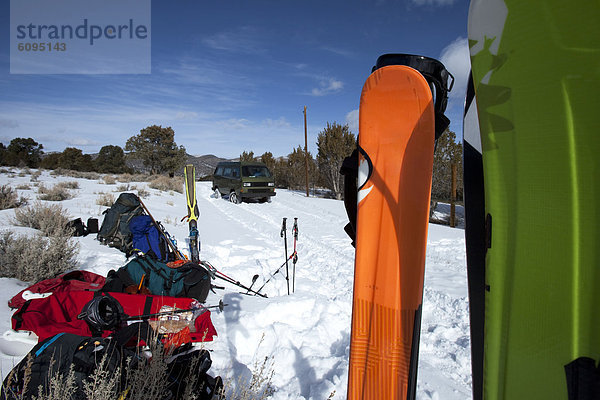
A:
x: 234, y: 75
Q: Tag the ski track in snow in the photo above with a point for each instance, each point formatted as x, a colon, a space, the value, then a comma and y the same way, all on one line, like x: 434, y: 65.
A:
x: 305, y: 335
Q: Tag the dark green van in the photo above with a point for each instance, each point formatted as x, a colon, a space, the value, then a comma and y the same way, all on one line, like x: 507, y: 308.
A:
x: 243, y: 180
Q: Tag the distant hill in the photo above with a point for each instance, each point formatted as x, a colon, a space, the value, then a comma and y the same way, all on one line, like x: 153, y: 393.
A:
x: 205, y: 165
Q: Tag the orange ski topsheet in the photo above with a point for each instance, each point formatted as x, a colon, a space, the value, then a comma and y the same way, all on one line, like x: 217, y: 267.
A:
x: 396, y: 139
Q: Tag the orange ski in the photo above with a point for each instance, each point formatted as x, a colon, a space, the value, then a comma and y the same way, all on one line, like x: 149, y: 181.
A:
x: 396, y: 143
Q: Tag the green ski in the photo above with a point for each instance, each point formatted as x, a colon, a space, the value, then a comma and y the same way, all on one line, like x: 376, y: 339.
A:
x: 531, y: 195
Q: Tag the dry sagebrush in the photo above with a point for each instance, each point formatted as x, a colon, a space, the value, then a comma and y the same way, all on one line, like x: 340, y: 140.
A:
x: 34, y: 258
x: 57, y: 192
x: 166, y: 184
x: 51, y: 220
x: 9, y: 198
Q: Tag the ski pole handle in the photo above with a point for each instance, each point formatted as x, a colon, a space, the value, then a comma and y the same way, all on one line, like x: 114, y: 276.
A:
x: 295, y: 228
x: 283, y: 226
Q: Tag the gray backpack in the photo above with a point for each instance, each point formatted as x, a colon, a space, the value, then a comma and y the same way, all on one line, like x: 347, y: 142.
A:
x: 114, y: 231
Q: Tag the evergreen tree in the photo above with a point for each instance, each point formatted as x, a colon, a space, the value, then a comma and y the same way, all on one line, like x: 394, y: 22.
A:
x: 268, y: 159
x: 334, y: 143
x: 247, y: 156
x: 280, y: 172
x: 447, y: 152
x: 111, y: 159
x: 73, y: 158
x: 157, y: 149
x: 295, y: 169
x: 50, y: 161
x: 23, y: 152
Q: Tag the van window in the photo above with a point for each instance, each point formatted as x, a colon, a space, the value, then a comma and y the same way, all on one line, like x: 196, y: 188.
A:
x: 235, y: 172
x: 227, y: 172
x: 219, y: 171
x: 253, y: 171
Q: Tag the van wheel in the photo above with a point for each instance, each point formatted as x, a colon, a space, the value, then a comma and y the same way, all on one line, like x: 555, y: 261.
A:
x: 217, y: 194
x: 233, y: 197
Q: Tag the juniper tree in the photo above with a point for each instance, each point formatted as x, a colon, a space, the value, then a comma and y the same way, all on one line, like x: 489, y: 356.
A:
x: 334, y: 143
x: 157, y: 149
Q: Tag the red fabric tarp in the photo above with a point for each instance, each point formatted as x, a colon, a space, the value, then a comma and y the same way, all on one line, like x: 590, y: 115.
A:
x: 75, y: 280
x: 58, y: 313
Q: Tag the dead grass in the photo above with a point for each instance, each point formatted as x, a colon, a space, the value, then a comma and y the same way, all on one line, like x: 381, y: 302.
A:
x: 166, y: 184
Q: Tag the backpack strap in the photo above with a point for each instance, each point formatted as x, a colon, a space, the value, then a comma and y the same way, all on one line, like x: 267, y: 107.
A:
x: 18, y: 316
x: 141, y: 330
x: 148, y: 305
x: 48, y: 343
x: 150, y: 252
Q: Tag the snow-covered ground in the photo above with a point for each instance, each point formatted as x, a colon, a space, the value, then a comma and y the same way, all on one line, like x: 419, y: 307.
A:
x: 306, y: 334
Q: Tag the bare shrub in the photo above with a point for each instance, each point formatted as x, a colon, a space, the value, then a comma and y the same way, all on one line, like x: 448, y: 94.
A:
x: 50, y: 219
x: 68, y: 185
x: 123, y: 188
x: 23, y: 186
x: 143, y: 193
x: 9, y: 198
x: 150, y: 380
x: 58, y: 172
x: 32, y: 259
x: 35, y: 175
x: 103, y: 384
x: 166, y: 184
x: 257, y: 387
x: 109, y: 179
x: 56, y: 193
x: 128, y: 178
x: 75, y: 174
x: 105, y: 199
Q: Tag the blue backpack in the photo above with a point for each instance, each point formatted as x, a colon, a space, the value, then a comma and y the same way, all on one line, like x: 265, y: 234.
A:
x: 147, y: 239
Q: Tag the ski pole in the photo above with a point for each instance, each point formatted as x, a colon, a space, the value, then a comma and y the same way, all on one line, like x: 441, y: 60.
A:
x: 218, y: 274
x: 254, y: 278
x: 220, y: 306
x: 275, y: 273
x: 283, y: 234
x: 295, y: 254
x: 178, y: 254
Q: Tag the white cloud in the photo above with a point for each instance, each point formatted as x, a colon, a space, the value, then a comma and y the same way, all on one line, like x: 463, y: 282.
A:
x: 455, y: 57
x: 186, y: 115
x: 328, y: 86
x: 79, y: 141
x: 243, y: 40
x: 340, y: 52
x: 352, y: 121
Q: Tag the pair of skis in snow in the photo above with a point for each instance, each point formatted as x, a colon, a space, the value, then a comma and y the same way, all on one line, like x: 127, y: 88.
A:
x: 531, y: 192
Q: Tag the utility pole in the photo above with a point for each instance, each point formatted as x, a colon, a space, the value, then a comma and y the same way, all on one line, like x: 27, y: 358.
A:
x: 306, y: 150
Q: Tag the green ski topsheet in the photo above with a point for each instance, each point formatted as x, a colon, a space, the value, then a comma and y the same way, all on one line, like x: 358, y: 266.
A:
x: 536, y: 69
